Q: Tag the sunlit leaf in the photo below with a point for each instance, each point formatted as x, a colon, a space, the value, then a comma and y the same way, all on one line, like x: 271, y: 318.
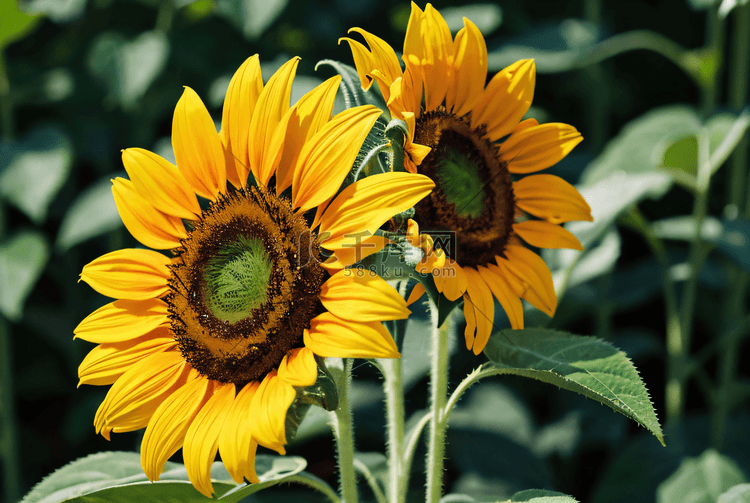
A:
x: 91, y: 214
x: 727, y: 5
x: 22, y: 259
x: 700, y: 480
x: 683, y: 228
x: 586, y: 365
x: 59, y: 11
x: 127, y: 68
x: 541, y: 496
x: 34, y: 169
x: 251, y: 17
x: 486, y: 16
x: 737, y: 494
x: 14, y: 24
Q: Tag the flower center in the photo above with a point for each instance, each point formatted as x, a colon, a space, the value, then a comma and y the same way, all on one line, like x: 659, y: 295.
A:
x: 473, y: 197
x: 245, y: 284
x: 237, y: 279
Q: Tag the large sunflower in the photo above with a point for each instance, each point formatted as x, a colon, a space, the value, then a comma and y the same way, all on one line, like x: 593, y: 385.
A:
x: 207, y: 346
x: 468, y: 137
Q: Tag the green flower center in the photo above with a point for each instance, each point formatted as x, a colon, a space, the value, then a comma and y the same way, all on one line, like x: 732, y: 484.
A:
x: 461, y: 183
x: 237, y: 279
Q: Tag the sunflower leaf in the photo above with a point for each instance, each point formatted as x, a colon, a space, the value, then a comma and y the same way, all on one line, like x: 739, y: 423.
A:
x: 541, y: 496
x: 14, y: 23
x: 91, y: 214
x: 737, y: 494
x: 22, y: 260
x: 586, y: 365
x: 700, y: 479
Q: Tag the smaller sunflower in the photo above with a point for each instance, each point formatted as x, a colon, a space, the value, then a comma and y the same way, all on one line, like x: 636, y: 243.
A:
x: 468, y: 137
x: 207, y: 347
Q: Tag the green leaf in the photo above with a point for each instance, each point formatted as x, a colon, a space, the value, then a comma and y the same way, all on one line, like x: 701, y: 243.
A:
x: 14, y: 24
x: 118, y: 477
x: 127, y: 68
x: 457, y: 498
x: 22, y: 260
x: 727, y: 5
x: 541, y: 496
x: 586, y: 365
x: 59, y: 11
x: 488, y: 17
x: 683, y: 228
x: 737, y: 494
x: 700, y: 480
x: 735, y: 241
x: 91, y: 214
x: 252, y: 17
x: 34, y: 170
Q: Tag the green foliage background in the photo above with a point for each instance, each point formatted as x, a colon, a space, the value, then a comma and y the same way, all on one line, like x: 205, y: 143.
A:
x: 87, y: 78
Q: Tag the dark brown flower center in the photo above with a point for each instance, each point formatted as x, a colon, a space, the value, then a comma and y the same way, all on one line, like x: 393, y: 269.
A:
x: 245, y: 284
x: 473, y: 197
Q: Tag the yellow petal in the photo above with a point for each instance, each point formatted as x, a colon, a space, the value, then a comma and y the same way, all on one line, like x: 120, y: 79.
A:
x: 107, y: 362
x: 239, y: 104
x: 328, y: 156
x: 534, y: 275
x: 416, y: 294
x: 132, y: 274
x: 197, y: 147
x: 270, y: 404
x: 471, y: 324
x: 146, y: 224
x: 354, y: 249
x: 122, y: 320
x: 368, y: 203
x: 506, y: 99
x: 504, y: 293
x: 362, y: 295
x: 236, y: 443
x: 551, y: 198
x: 168, y: 425
x: 363, y: 61
x: 272, y: 105
x: 308, y: 116
x: 134, y: 397
x: 298, y: 368
x: 330, y: 336
x: 470, y: 71
x: 546, y: 235
x: 202, y: 438
x: 453, y: 279
x: 538, y: 147
x: 434, y: 57
x: 382, y: 57
x: 160, y: 183
x: 479, y: 296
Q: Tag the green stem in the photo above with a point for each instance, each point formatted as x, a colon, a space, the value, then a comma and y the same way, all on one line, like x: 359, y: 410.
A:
x: 6, y: 102
x: 738, y: 96
x: 597, y: 105
x: 343, y: 431
x: 371, y: 481
x: 165, y: 16
x: 411, y: 443
x: 438, y: 423
x: 715, y: 44
x: 316, y: 483
x: 394, y: 403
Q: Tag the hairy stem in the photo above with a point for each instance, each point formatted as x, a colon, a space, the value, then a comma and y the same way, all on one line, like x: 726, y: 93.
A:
x: 438, y: 392
x: 343, y: 431
x: 398, y: 476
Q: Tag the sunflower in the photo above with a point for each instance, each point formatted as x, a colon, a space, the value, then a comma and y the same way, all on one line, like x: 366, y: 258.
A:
x: 207, y: 346
x: 469, y: 138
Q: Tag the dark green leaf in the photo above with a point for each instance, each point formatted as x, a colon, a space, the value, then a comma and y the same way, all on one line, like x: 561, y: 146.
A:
x: 586, y: 365
x: 700, y: 480
x: 541, y: 496
x: 91, y: 214
x: 735, y: 241
x: 34, y: 169
x: 14, y: 24
x: 737, y: 494
x: 22, y: 259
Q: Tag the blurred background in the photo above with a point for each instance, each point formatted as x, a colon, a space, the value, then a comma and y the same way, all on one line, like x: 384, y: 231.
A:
x: 646, y: 82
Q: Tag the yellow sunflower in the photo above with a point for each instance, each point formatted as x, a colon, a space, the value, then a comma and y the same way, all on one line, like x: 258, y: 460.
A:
x: 468, y: 137
x: 206, y: 346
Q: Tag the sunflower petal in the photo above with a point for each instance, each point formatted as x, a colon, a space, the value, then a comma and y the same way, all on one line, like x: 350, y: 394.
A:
x: 551, y: 198
x: 160, y: 183
x: 133, y: 398
x: 197, y: 147
x: 272, y: 106
x: 453, y: 280
x: 479, y: 297
x: 416, y: 294
x: 144, y: 222
x: 539, y: 147
x: 327, y: 157
x: 298, y: 368
x: 202, y: 438
x: 433, y: 56
x: 546, y: 235
x: 360, y: 295
x: 470, y: 70
x: 308, y: 116
x: 330, y: 336
x: 366, y: 204
x: 167, y: 427
x: 506, y: 99
x: 132, y: 274
x: 236, y: 442
x: 535, y: 277
x: 356, y: 249
x: 270, y: 404
x: 122, y: 320
x: 239, y: 105
x: 107, y: 362
x: 504, y: 293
